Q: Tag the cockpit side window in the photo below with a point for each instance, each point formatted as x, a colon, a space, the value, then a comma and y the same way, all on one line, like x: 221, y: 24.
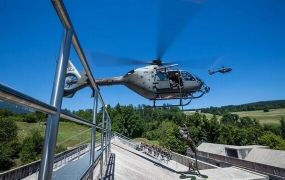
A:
x: 187, y: 76
x: 162, y: 76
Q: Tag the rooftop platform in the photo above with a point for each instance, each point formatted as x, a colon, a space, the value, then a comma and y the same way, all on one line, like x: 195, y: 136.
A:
x: 126, y: 162
x: 133, y: 164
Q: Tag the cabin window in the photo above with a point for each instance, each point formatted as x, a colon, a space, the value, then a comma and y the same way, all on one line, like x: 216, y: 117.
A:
x: 187, y: 76
x: 162, y: 76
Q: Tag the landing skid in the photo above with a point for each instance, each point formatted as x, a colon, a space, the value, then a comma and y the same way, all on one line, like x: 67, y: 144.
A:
x: 181, y: 103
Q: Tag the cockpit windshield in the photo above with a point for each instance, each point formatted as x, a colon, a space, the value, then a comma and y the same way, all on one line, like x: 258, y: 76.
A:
x: 187, y: 76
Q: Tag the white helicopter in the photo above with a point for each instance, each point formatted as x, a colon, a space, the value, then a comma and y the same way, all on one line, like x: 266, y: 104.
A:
x: 155, y: 81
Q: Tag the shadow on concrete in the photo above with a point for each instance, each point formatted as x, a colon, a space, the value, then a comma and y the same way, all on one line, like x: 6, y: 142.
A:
x: 110, y: 171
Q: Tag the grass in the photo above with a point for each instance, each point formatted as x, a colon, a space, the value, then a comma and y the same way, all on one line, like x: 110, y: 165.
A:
x: 271, y: 117
x: 208, y: 115
x: 25, y: 128
x: 69, y: 134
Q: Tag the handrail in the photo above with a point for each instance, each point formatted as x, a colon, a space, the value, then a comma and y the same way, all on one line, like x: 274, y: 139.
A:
x: 93, y: 165
x: 66, y: 115
x: 66, y: 22
x: 14, y: 96
x: 54, y: 110
x: 106, y: 130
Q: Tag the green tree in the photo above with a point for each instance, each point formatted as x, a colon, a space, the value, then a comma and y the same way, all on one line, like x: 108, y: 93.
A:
x: 85, y: 114
x: 127, y: 122
x: 282, y: 127
x: 212, y: 129
x: 227, y: 134
x: 8, y: 129
x: 32, y: 147
x: 272, y: 140
x: 247, y: 122
x: 5, y: 113
x: 230, y: 119
x: 266, y: 109
x: 30, y: 118
x: 9, y: 145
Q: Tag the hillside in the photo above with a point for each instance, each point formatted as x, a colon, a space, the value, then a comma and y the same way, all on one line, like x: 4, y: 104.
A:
x: 261, y: 105
x: 271, y: 117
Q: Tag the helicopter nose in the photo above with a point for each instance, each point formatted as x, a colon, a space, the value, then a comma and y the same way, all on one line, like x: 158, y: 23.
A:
x: 204, y: 87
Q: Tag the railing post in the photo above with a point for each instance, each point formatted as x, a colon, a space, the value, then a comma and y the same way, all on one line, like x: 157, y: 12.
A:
x: 93, y: 138
x: 110, y: 134
x: 106, y: 138
x: 102, y: 141
x: 56, y: 101
x: 93, y: 135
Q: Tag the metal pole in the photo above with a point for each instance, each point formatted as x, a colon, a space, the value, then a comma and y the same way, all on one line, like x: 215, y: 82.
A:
x: 56, y: 101
x: 93, y: 141
x: 93, y: 133
x: 110, y: 134
x: 102, y: 141
x: 106, y: 139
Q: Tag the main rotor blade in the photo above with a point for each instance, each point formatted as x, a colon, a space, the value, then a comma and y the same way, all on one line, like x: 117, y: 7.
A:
x: 101, y: 59
x: 174, y: 16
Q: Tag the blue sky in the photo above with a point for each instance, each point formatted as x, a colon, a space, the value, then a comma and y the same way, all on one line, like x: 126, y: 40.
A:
x: 246, y: 35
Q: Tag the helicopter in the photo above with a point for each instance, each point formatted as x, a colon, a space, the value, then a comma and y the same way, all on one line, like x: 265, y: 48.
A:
x: 222, y: 70
x: 155, y: 81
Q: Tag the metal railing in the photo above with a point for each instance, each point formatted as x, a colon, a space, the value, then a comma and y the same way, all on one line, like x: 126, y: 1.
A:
x: 33, y: 167
x: 126, y: 140
x: 54, y: 108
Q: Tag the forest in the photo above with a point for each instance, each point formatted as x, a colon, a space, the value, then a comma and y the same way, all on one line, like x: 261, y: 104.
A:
x: 160, y: 125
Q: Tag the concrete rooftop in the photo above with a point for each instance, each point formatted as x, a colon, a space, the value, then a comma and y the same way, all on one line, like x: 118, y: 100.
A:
x: 133, y: 164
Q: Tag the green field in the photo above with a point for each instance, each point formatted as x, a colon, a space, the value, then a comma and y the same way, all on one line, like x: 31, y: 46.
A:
x: 273, y: 116
x: 208, y: 115
x: 69, y: 134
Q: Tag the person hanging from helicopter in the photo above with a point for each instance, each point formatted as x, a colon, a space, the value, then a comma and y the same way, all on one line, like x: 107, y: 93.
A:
x: 175, y: 80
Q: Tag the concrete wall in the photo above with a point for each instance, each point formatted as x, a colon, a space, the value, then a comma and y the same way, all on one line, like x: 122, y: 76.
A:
x: 185, y: 160
x: 224, y: 161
